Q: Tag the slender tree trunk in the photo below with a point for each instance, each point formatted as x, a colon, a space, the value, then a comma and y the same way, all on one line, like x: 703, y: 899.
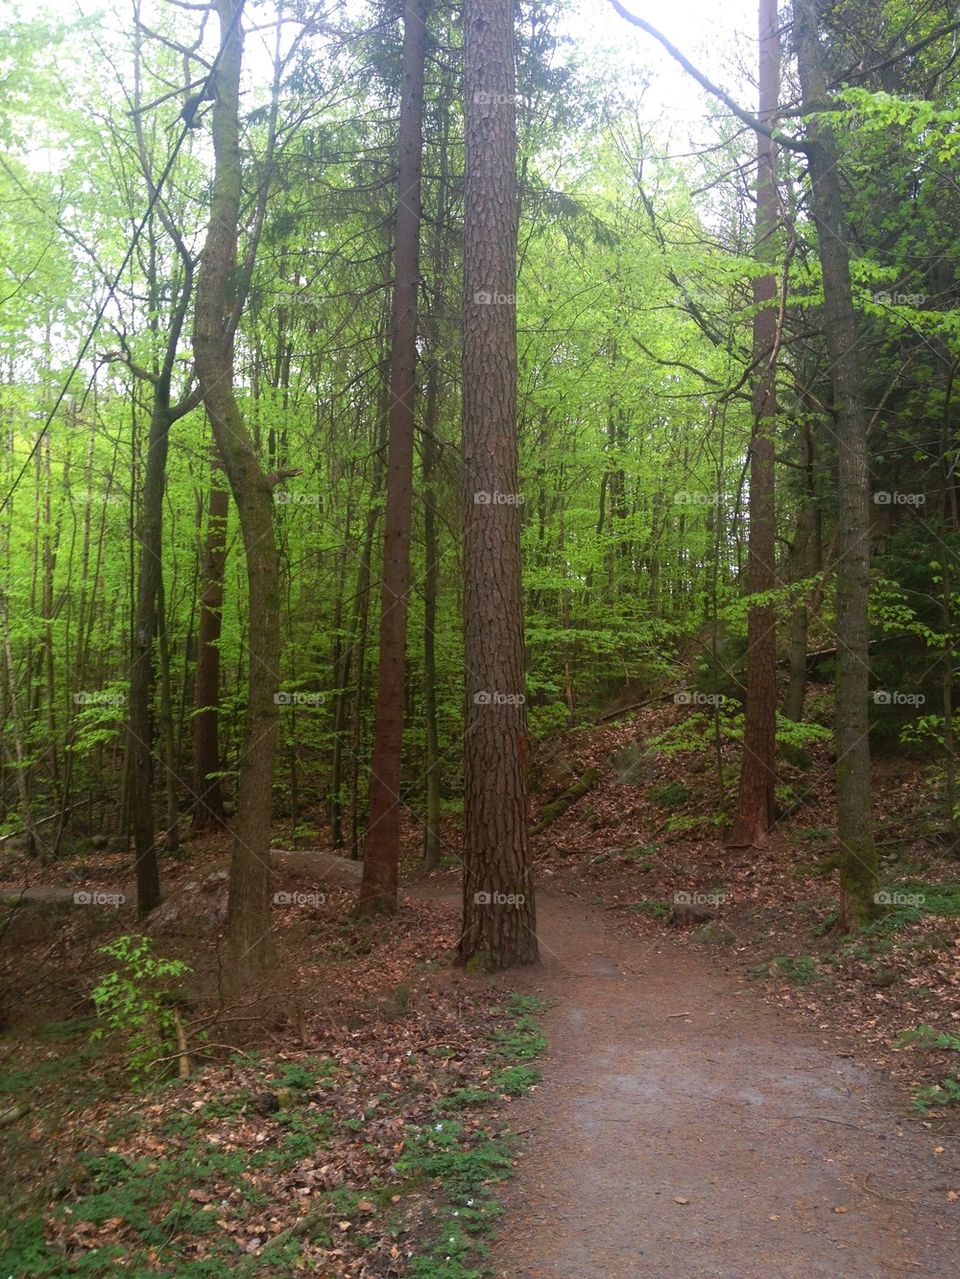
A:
x: 207, y: 790
x: 499, y: 915
x: 344, y: 669
x: 755, y: 807
x: 141, y: 670
x: 170, y: 777
x: 805, y: 561
x: 858, y: 871
x: 431, y: 825
x: 251, y: 955
x: 378, y: 890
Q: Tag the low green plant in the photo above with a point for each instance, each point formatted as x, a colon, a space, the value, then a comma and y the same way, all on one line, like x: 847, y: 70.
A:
x: 947, y: 1092
x: 469, y: 1161
x: 796, y: 968
x: 132, y: 1003
x: 657, y: 909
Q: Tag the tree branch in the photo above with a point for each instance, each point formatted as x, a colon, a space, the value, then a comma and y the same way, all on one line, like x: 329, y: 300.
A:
x: 783, y: 139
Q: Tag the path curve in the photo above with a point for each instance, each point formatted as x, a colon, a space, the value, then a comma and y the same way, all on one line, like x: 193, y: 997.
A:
x: 686, y: 1130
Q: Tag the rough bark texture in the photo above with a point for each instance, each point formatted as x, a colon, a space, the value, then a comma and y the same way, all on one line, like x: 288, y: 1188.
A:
x: 207, y: 790
x: 499, y: 917
x: 379, y: 888
x: 858, y: 871
x: 248, y: 920
x: 758, y: 770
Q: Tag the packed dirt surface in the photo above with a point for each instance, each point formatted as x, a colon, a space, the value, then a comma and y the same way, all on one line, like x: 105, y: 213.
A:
x: 685, y: 1130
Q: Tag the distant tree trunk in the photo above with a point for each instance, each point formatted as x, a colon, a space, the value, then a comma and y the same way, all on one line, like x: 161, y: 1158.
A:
x: 378, y: 890
x: 755, y: 806
x: 499, y: 915
x: 858, y: 871
x: 207, y: 789
x: 437, y: 326
x: 170, y: 776
x: 431, y: 825
x: 343, y: 673
x: 251, y: 954
x: 141, y: 670
x: 804, y: 562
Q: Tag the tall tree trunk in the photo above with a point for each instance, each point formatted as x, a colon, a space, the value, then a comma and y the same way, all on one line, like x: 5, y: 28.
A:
x: 378, y: 890
x: 805, y: 561
x: 431, y: 824
x: 343, y: 673
x: 207, y: 789
x: 170, y: 775
x: 758, y: 769
x: 141, y: 669
x: 251, y: 954
x: 858, y: 871
x: 499, y: 915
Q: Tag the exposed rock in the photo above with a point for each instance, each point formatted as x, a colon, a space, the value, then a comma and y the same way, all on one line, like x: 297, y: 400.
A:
x: 691, y: 913
x: 317, y: 866
x: 198, y: 908
x: 716, y: 933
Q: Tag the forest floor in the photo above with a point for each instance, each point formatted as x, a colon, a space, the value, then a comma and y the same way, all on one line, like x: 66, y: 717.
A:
x: 724, y: 1096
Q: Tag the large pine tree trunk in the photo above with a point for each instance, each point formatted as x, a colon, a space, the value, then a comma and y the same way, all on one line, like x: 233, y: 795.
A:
x: 499, y: 916
x: 378, y: 890
x: 248, y: 914
x: 758, y: 770
x: 858, y: 872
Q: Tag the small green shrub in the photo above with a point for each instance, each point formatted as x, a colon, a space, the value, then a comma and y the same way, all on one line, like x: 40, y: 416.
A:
x: 131, y: 1002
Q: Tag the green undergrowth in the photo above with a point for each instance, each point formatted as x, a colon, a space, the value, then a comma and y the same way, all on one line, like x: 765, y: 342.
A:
x: 173, y: 1202
x: 947, y: 1092
x: 468, y: 1159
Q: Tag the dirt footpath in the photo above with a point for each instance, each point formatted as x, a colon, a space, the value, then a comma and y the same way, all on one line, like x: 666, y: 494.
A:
x: 685, y: 1130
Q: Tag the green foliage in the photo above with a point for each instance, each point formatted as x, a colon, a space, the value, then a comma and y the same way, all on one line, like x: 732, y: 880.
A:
x: 799, y: 969
x: 468, y: 1162
x: 132, y: 1003
x: 669, y: 795
x: 911, y: 900
x: 524, y: 1039
x: 656, y: 909
x: 947, y: 1092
